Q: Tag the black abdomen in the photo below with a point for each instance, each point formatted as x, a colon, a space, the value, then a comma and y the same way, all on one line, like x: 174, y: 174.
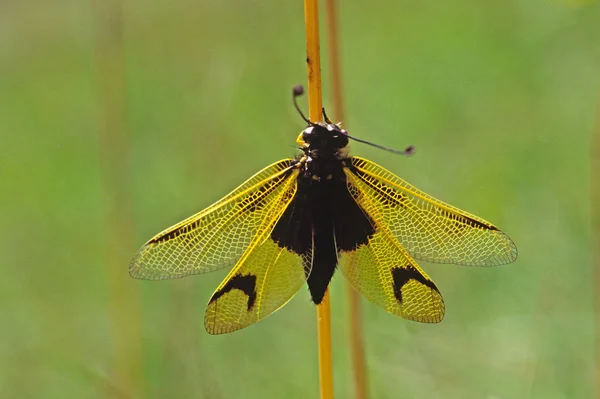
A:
x: 325, y: 218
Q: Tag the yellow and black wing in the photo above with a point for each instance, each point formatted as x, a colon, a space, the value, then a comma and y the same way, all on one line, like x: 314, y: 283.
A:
x: 427, y: 228
x: 386, y: 275
x: 264, y: 280
x: 218, y: 236
x: 235, y: 230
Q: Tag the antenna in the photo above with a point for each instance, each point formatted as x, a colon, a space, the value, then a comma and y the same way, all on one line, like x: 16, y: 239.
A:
x: 408, y: 151
x: 298, y: 91
x: 326, y: 117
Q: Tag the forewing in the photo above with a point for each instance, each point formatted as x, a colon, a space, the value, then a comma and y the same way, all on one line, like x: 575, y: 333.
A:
x: 266, y: 278
x: 427, y: 228
x: 218, y: 236
x: 382, y: 272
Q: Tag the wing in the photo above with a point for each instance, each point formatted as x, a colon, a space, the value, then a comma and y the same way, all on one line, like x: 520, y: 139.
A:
x: 218, y: 236
x: 266, y: 278
x: 427, y: 228
x: 382, y: 272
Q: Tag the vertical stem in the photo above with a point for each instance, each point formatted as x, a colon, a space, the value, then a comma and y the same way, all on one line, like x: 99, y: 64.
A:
x: 595, y: 237
x: 313, y: 59
x: 325, y: 359
x: 313, y: 62
x: 334, y: 60
x: 114, y: 156
x: 355, y: 325
x: 357, y: 344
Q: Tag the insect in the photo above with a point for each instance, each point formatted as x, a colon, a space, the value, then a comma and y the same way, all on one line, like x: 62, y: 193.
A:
x: 297, y: 220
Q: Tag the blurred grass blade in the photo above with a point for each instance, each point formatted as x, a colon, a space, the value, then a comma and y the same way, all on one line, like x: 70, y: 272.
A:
x: 595, y: 244
x: 114, y: 158
x: 357, y: 349
x: 325, y: 358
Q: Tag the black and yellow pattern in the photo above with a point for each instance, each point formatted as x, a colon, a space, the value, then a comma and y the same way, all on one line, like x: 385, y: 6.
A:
x: 410, y: 223
x: 382, y: 272
x: 298, y: 219
x: 235, y: 230
x: 264, y: 280
x: 218, y: 236
x: 427, y: 228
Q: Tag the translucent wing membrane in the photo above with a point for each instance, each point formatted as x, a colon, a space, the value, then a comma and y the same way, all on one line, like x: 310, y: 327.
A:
x: 218, y: 236
x: 384, y: 273
x: 264, y: 280
x: 429, y: 229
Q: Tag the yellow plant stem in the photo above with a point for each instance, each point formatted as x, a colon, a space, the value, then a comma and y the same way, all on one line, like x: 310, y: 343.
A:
x: 313, y: 59
x: 313, y: 62
x: 355, y: 323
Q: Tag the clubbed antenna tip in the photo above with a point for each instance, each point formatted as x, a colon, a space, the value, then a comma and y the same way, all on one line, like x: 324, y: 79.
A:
x: 410, y: 150
x: 298, y: 90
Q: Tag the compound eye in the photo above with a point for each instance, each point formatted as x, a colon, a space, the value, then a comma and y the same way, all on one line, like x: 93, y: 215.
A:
x: 339, y: 140
x: 307, y: 133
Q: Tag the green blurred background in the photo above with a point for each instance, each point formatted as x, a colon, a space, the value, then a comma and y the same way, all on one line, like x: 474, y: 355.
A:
x: 119, y: 119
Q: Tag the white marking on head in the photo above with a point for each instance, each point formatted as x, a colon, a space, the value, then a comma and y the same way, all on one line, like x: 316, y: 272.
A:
x: 330, y: 127
x: 308, y: 130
